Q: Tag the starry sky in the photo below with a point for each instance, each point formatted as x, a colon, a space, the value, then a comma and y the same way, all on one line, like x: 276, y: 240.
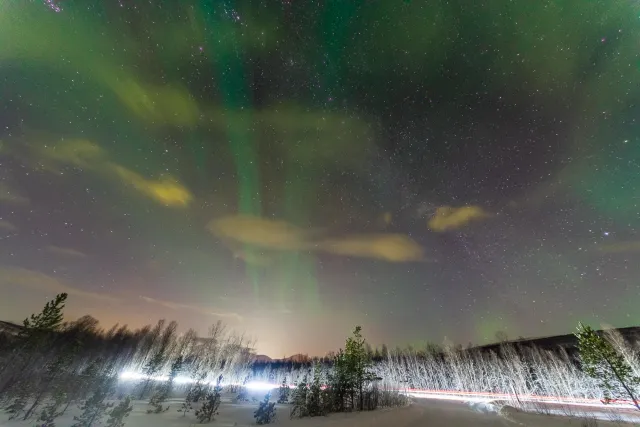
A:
x: 425, y: 169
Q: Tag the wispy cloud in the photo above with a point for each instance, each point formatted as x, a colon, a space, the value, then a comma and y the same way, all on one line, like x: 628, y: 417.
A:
x: 7, y: 226
x: 22, y: 277
x: 192, y: 308
x: 11, y: 196
x: 66, y: 252
x: 386, y: 247
x: 278, y: 235
x: 449, y: 218
x: 260, y: 232
x: 92, y: 157
x: 621, y: 247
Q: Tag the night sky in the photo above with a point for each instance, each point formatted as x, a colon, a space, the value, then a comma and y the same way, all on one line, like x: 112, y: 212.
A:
x: 425, y: 169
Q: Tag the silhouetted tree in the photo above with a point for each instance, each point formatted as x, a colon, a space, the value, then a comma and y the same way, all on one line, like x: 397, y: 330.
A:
x: 602, y: 362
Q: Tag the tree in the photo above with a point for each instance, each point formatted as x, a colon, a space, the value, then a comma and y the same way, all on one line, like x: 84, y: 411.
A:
x: 120, y: 412
x: 211, y: 403
x: 357, y: 364
x: 36, y: 334
x: 283, y: 392
x: 95, y: 407
x: 159, y: 357
x: 47, y: 321
x: 163, y: 392
x: 299, y: 399
x: 315, y: 405
x: 266, y: 412
x: 603, y: 363
x: 193, y: 395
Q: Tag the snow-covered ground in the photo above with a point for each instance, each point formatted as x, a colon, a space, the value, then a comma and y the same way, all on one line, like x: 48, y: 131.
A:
x: 422, y: 412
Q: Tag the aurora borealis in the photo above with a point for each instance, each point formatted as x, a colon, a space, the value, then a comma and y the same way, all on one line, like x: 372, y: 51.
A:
x: 426, y: 169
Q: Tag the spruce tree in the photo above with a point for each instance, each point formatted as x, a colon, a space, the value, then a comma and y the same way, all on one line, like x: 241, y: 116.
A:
x: 120, y: 412
x: 314, y: 395
x: 266, y: 412
x: 283, y: 392
x: 299, y: 399
x: 358, y: 366
x: 211, y: 403
x: 602, y: 362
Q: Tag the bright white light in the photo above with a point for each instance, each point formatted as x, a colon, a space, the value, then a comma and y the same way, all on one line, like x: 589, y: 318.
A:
x: 181, y: 379
x: 257, y: 385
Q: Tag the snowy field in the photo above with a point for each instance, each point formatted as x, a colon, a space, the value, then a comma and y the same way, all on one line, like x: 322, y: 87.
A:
x: 422, y: 412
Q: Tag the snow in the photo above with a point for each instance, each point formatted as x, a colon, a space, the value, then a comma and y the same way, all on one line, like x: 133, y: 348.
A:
x: 422, y: 412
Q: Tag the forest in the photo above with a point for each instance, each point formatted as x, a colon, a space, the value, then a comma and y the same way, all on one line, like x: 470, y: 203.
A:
x: 49, y: 366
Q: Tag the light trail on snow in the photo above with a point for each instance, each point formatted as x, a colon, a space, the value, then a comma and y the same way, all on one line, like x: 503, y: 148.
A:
x: 459, y: 396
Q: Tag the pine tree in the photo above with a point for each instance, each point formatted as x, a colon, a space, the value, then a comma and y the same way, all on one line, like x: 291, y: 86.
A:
x: 340, y: 382
x: 187, y: 405
x: 266, y: 412
x: 603, y: 363
x: 16, y: 407
x: 314, y: 395
x: 299, y: 399
x: 48, y: 320
x: 52, y: 409
x: 283, y: 392
x: 211, y: 403
x: 159, y: 357
x: 194, y: 395
x: 358, y: 365
x: 120, y: 412
x: 95, y: 407
x: 36, y: 334
x: 163, y: 392
x: 52, y: 380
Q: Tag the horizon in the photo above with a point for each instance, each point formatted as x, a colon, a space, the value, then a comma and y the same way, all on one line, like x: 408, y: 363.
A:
x: 377, y: 346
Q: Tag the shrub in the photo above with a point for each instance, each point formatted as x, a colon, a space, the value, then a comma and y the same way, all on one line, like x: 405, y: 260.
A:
x: 266, y: 412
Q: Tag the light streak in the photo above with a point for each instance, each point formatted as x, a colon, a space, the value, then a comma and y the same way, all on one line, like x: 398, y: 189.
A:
x: 459, y: 396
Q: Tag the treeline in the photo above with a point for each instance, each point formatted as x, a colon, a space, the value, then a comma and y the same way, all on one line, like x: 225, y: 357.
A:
x: 50, y: 366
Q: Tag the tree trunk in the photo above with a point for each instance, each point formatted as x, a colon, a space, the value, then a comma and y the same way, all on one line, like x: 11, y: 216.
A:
x: 65, y: 408
x: 629, y: 392
x: 36, y: 402
x: 144, y: 388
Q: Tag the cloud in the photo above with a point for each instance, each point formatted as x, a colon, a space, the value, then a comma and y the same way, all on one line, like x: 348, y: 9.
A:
x: 283, y: 236
x: 66, y: 252
x: 22, y: 277
x: 78, y: 152
x: 260, y: 232
x: 166, y: 191
x: 90, y: 156
x: 387, y: 247
x: 191, y: 308
x: 620, y: 247
x: 11, y: 196
x: 450, y: 218
x: 7, y: 226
